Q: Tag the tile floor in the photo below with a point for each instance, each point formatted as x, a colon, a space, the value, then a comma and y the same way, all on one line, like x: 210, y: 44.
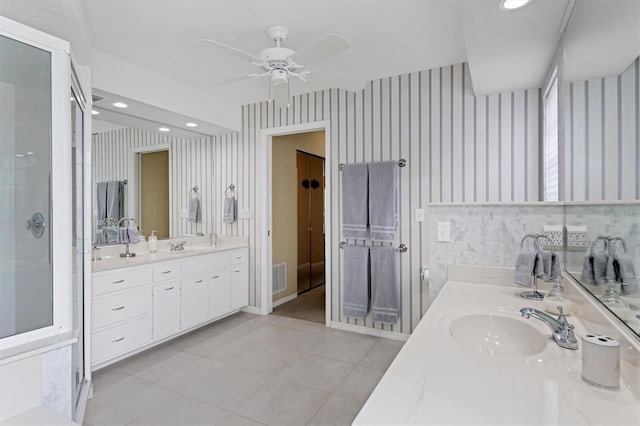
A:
x: 307, y: 306
x: 244, y: 370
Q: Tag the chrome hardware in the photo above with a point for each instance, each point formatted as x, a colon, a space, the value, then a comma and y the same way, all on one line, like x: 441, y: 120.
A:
x: 198, y: 282
x: 165, y: 272
x: 562, y: 331
x: 37, y: 225
x: 217, y: 276
x: 179, y: 246
x: 117, y: 340
x: 170, y: 288
x: 118, y: 309
x: 117, y: 282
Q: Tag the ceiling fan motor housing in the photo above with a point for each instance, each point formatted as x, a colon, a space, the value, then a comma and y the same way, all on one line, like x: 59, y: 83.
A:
x: 278, y: 76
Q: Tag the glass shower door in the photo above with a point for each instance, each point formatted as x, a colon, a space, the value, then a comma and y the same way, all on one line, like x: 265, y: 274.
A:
x: 26, y: 279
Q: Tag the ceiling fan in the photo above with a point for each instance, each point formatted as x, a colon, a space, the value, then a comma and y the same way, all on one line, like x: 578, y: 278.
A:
x: 278, y: 62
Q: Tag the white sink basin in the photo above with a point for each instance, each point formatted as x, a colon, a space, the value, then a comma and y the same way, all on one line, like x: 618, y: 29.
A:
x: 497, y: 335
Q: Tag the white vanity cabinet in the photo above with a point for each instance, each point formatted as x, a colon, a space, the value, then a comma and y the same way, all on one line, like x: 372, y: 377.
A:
x: 135, y: 307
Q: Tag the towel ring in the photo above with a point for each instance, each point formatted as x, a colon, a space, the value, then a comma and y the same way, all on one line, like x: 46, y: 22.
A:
x: 194, y: 189
x: 231, y: 189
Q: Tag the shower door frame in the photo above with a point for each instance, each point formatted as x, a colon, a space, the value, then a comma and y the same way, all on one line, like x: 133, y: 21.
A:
x: 59, y: 226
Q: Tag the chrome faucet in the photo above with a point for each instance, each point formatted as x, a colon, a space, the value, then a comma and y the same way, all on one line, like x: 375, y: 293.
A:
x: 562, y: 331
x: 178, y: 246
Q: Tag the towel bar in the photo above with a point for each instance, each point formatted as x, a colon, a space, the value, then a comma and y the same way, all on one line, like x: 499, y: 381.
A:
x: 401, y: 163
x: 402, y: 248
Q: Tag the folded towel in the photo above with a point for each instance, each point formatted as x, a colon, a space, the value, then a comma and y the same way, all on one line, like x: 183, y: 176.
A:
x: 355, y: 216
x: 385, y: 301
x: 547, y: 266
x: 133, y: 235
x: 587, y: 276
x: 230, y: 210
x: 115, y: 200
x: 193, y: 214
x: 526, y: 263
x: 383, y: 200
x: 596, y: 264
x: 356, y: 281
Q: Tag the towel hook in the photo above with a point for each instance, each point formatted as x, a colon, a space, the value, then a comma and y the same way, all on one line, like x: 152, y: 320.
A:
x: 231, y: 188
x: 194, y: 189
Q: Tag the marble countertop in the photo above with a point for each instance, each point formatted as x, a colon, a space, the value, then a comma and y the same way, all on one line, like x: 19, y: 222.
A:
x: 435, y: 380
x: 112, y: 260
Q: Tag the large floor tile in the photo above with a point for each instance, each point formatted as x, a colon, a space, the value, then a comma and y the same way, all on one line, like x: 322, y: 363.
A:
x: 344, y: 346
x: 283, y: 403
x: 107, y: 377
x: 181, y: 410
x: 300, y: 324
x: 297, y: 339
x: 125, y: 402
x: 180, y: 372
x: 382, y: 354
x: 318, y: 372
x: 360, y: 383
x: 336, y: 411
x: 261, y: 332
x: 267, y: 358
x: 223, y: 347
x: 229, y: 387
x: 238, y: 420
x: 144, y: 360
x: 189, y: 340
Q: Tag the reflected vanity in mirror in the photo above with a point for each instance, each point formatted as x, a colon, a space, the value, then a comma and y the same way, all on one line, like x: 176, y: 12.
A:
x: 601, y: 80
x: 150, y: 174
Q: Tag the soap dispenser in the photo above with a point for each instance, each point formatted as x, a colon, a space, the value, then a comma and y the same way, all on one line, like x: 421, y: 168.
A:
x: 557, y: 297
x: 153, y: 242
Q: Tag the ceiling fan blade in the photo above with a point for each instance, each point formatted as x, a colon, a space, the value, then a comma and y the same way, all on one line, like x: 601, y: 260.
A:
x: 320, y: 49
x: 231, y: 49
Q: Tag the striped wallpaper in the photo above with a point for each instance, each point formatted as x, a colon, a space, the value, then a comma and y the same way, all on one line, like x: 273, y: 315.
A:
x: 200, y: 161
x: 458, y: 147
x: 603, y: 137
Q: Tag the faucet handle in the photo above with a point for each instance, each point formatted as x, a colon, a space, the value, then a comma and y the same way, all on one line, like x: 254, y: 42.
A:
x: 562, y: 318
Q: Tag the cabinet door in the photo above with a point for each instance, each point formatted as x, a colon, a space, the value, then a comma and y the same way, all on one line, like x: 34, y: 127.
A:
x: 193, y: 301
x: 239, y: 286
x: 219, y: 292
x: 166, y: 309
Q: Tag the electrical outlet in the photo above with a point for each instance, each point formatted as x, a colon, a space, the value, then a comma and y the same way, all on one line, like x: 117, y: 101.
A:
x: 444, y: 232
x: 577, y: 237
x: 555, y: 234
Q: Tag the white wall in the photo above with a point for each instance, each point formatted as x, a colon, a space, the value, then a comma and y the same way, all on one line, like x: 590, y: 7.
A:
x: 603, y: 137
x: 459, y: 148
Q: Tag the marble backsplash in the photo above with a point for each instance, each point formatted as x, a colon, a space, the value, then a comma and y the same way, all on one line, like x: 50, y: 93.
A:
x: 484, y: 234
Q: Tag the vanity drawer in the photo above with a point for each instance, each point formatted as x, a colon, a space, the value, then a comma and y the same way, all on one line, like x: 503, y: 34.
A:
x: 111, y: 309
x: 120, y: 280
x: 122, y: 338
x: 166, y: 271
x: 199, y: 264
x: 238, y: 257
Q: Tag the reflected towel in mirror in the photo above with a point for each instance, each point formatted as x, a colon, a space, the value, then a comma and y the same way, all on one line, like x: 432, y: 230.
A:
x: 193, y: 215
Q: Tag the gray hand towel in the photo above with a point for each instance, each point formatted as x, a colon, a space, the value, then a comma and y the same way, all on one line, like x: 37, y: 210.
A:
x: 626, y: 272
x: 123, y: 236
x: 133, y: 235
x: 356, y: 281
x: 355, y: 216
x: 385, y: 301
x: 114, y: 205
x: 193, y: 214
x: 101, y: 199
x: 383, y: 200
x: 525, y: 264
x: 587, y: 276
x: 230, y: 210
x: 548, y: 266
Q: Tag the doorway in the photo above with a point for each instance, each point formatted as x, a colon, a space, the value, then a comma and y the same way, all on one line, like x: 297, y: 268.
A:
x: 298, y: 243
x: 154, y: 193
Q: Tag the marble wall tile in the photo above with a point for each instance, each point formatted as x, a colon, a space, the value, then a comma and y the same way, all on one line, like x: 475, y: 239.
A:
x: 57, y: 388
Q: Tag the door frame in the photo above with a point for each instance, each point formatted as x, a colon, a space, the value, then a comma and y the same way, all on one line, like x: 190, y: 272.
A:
x: 133, y: 184
x: 264, y: 223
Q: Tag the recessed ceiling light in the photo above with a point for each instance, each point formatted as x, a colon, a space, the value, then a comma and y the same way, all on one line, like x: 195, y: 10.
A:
x: 164, y: 129
x: 19, y: 155
x: 120, y: 105
x: 94, y: 112
x: 191, y: 124
x: 29, y: 153
x: 513, y: 4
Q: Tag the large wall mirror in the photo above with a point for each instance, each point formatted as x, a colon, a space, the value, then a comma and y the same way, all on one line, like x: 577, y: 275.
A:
x: 601, y: 80
x: 148, y: 172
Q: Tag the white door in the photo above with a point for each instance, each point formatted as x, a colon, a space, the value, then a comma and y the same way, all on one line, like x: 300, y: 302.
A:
x: 219, y: 292
x: 193, y: 301
x: 166, y: 309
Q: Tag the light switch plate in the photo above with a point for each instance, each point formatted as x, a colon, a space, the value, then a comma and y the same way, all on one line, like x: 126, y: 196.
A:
x: 419, y: 215
x: 444, y: 232
x: 243, y: 214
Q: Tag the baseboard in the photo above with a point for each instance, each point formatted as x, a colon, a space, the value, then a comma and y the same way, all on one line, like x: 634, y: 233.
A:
x: 393, y: 335
x: 285, y: 300
x: 253, y: 310
x: 85, y: 394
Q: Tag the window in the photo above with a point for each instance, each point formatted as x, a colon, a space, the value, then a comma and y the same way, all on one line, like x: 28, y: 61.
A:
x: 550, y: 139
